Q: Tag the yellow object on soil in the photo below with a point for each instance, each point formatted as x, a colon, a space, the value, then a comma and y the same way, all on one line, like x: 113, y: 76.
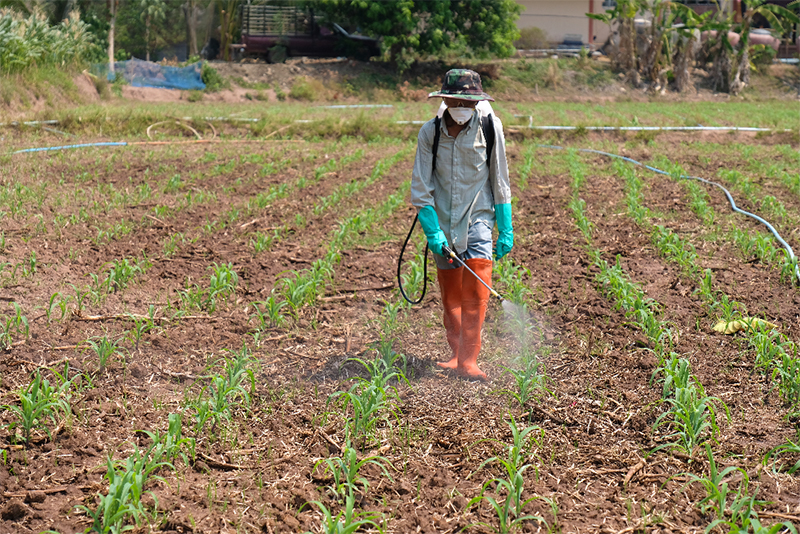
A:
x: 731, y: 327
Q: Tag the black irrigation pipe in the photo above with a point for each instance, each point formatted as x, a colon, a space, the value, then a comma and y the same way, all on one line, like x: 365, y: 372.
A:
x: 735, y: 208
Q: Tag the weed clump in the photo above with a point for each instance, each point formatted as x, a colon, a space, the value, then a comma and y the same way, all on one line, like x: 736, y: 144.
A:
x: 305, y: 89
x: 213, y: 80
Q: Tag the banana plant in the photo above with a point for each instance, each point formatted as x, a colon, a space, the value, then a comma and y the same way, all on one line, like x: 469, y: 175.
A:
x: 779, y: 18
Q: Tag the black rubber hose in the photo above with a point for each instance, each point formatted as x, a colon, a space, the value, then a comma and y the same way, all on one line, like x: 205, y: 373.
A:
x: 424, y: 267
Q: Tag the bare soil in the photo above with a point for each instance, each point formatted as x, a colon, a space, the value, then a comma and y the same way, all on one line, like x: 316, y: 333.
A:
x: 254, y: 473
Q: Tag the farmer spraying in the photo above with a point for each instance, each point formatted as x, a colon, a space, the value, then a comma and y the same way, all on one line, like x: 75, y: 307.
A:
x: 460, y: 188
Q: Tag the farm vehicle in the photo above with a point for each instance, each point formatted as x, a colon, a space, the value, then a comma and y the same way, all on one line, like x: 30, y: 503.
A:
x: 278, y: 32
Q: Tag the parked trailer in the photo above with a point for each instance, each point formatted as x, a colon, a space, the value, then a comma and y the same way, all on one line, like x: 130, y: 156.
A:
x: 278, y: 32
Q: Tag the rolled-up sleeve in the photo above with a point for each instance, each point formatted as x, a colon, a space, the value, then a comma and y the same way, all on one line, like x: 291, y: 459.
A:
x: 422, y: 176
x: 498, y: 170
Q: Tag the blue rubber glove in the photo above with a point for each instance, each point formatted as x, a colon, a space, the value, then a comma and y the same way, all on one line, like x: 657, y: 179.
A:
x: 430, y: 225
x: 505, y: 239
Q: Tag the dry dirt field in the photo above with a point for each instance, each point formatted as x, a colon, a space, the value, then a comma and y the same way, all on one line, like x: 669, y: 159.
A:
x: 224, y: 290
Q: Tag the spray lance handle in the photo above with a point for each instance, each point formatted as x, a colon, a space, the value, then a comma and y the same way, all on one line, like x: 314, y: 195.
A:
x: 449, y: 254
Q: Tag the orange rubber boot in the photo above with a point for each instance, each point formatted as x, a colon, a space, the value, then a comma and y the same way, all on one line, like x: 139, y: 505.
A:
x: 474, y: 300
x: 450, y: 286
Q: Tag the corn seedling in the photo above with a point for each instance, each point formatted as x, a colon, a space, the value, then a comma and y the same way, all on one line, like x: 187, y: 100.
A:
x: 578, y: 207
x: 121, y: 272
x: 728, y: 310
x: 172, y: 243
x: 140, y: 327
x: 347, y: 521
x: 675, y: 249
x: 57, y: 301
x: 344, y: 470
x: 39, y: 402
x: 577, y: 170
x: 269, y: 313
x: 705, y: 289
x: 526, y: 168
x: 368, y: 402
x: 698, y: 202
x: 716, y: 486
x: 104, y: 348
x: 677, y: 374
x: 216, y: 400
x: 789, y: 270
x: 126, y: 483
x: 787, y: 374
x: 789, y: 447
x: 304, y: 287
x: 414, y: 278
x: 529, y: 382
x: 222, y: 284
x: 759, y: 245
x: 510, y: 513
x: 692, y: 417
x: 171, y: 444
x: 262, y: 242
x: 510, y: 276
x: 173, y: 184
x: 13, y: 326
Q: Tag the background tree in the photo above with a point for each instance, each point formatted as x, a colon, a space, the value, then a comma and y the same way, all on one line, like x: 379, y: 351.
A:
x: 623, y: 56
x: 153, y: 11
x: 431, y: 28
x: 686, y: 45
x: 54, y: 10
x: 779, y: 18
x: 112, y: 27
x: 228, y: 14
x: 190, y: 12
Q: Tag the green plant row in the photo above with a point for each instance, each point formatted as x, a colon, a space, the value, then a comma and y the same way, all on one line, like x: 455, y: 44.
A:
x: 300, y: 288
x: 691, y: 414
x: 758, y: 244
x: 775, y: 354
x: 685, y: 393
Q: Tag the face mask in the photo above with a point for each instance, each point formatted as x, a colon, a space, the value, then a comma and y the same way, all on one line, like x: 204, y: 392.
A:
x: 460, y: 115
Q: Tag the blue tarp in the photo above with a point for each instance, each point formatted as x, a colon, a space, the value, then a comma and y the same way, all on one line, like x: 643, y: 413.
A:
x: 140, y: 73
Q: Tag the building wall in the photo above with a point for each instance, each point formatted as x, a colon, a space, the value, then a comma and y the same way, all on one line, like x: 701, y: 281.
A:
x: 564, y: 17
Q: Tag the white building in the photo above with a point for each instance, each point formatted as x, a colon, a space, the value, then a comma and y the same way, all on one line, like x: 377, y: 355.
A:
x: 565, y: 20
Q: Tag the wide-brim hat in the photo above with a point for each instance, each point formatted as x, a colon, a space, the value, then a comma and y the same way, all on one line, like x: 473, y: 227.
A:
x: 462, y: 84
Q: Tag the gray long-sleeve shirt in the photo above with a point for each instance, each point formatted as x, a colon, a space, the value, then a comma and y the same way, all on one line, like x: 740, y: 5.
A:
x: 462, y: 189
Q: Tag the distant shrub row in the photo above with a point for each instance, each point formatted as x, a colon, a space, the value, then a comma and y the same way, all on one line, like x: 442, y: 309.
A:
x: 32, y: 41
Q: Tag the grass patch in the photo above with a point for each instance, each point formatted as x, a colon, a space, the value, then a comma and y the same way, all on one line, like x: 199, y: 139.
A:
x: 48, y: 83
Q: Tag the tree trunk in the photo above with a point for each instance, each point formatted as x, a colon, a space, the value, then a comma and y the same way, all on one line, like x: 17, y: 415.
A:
x: 147, y: 38
x: 721, y: 68
x: 112, y: 5
x: 224, y: 37
x: 683, y: 59
x: 190, y: 13
x: 742, y: 77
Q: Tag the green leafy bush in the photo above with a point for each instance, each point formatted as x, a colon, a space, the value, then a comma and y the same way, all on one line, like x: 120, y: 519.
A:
x: 32, y: 41
x: 532, y: 39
